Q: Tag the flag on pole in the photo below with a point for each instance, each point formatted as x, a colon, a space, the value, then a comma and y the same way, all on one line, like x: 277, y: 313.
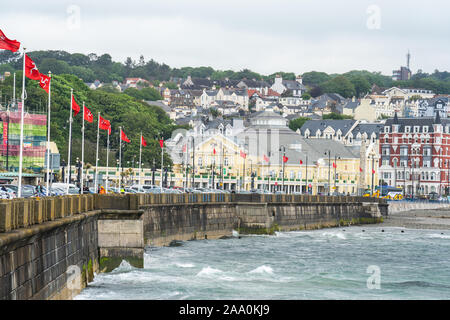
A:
x: 123, y: 136
x: 88, y: 116
x: 285, y: 159
x: 243, y: 154
x: 373, y: 171
x: 360, y: 169
x: 75, y: 107
x: 143, y: 142
x: 44, y: 82
x: 161, y: 143
x: 301, y: 162
x: 8, y: 44
x: 31, y: 71
x: 265, y: 158
x: 214, y: 151
x: 104, y: 124
x: 334, y: 165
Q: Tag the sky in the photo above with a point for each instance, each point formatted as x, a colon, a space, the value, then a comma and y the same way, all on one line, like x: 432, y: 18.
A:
x: 265, y: 36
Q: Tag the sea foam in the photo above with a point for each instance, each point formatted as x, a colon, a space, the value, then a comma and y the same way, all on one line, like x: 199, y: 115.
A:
x: 262, y: 270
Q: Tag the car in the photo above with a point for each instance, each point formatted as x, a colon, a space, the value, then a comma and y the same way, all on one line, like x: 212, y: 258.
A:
x: 27, y: 192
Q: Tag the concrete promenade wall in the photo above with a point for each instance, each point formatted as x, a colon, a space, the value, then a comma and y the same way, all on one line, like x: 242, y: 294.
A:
x: 399, y: 206
x: 42, y: 239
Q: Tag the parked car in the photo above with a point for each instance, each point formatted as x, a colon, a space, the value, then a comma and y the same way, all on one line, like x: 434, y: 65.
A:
x: 26, y: 191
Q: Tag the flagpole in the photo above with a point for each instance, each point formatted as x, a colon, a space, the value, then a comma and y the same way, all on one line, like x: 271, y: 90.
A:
x: 162, y: 161
x: 82, y: 155
x: 107, y: 161
x: 19, y: 191
x: 48, y: 134
x: 140, y: 160
x: 70, y: 141
x: 120, y: 159
x: 96, y: 157
x: 186, y: 169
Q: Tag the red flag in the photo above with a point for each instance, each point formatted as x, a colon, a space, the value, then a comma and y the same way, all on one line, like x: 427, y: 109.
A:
x: 88, y: 116
x: 8, y: 44
x: 184, y: 148
x: 360, y: 170
x: 75, y: 107
x: 285, y: 159
x: 334, y: 165
x: 266, y: 159
x: 143, y: 142
x: 123, y: 136
x: 31, y: 71
x: 44, y: 82
x: 104, y: 125
x: 373, y: 171
x: 161, y: 143
x: 214, y: 151
x: 243, y: 155
x: 301, y: 162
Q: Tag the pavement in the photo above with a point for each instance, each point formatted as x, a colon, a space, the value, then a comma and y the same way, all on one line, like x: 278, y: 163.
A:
x: 419, y: 219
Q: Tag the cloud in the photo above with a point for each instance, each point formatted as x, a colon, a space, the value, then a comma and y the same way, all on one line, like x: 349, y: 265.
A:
x: 265, y: 36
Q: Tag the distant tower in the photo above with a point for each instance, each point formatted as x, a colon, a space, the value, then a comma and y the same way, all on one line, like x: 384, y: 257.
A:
x: 408, y: 58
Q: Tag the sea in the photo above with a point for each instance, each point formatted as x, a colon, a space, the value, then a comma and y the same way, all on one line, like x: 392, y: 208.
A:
x: 360, y: 262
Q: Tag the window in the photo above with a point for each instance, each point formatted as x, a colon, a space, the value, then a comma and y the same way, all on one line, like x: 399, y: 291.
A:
x: 200, y: 161
x: 407, y: 129
x: 225, y: 161
x: 425, y: 129
x: 386, y: 129
x: 416, y: 129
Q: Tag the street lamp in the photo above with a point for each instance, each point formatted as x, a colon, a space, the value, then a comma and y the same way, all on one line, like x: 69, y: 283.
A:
x: 336, y: 157
x: 63, y: 166
x: 78, y: 165
x: 282, y: 162
x: 329, y: 169
x: 153, y: 172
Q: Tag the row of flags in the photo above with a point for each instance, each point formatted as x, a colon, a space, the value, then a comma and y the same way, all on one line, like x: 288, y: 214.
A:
x: 31, y: 71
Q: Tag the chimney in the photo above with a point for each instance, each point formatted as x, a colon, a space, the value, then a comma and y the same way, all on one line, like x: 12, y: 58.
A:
x: 299, y: 79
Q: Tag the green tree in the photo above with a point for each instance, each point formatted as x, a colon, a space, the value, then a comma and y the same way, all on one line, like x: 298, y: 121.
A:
x: 306, y: 96
x: 336, y: 116
x: 341, y: 85
x: 297, y: 123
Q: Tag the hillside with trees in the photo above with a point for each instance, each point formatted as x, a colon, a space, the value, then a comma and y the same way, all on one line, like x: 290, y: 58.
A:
x: 93, y: 67
x: 121, y: 109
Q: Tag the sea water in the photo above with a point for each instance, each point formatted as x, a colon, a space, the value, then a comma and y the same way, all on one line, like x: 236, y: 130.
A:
x: 340, y: 263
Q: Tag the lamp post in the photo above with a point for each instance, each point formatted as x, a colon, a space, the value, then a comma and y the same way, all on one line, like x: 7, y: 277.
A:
x: 336, y: 157
x: 329, y: 170
x: 373, y: 174
x: 252, y: 176
x: 193, y: 162
x: 282, y: 163
x: 153, y: 172
x: 63, y: 166
x: 78, y: 165
x: 307, y: 183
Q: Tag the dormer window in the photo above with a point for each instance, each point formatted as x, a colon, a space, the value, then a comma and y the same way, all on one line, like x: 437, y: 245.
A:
x: 425, y: 129
x: 416, y: 129
x: 386, y: 129
x: 407, y: 129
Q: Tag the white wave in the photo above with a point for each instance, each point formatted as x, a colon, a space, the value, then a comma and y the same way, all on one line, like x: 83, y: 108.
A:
x: 235, y: 233
x: 185, y: 265
x: 124, y: 266
x: 338, y: 235
x: 208, y: 271
x: 440, y: 236
x: 262, y: 270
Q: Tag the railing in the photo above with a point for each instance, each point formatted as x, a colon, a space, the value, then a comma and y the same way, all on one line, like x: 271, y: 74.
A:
x: 21, y: 213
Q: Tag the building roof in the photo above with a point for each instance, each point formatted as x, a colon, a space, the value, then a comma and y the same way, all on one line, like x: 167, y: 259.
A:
x: 314, y: 125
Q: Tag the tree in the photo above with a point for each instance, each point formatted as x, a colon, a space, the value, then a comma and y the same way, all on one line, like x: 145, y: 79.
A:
x: 315, y: 78
x: 316, y: 91
x: 297, y: 123
x: 361, y: 85
x: 336, y: 116
x: 341, y: 85
x: 306, y: 96
x: 171, y: 85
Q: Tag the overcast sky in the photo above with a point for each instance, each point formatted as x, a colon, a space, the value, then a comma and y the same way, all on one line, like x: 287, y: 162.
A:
x: 263, y: 35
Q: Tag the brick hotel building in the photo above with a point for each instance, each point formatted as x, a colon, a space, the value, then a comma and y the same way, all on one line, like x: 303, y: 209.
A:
x: 415, y: 154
